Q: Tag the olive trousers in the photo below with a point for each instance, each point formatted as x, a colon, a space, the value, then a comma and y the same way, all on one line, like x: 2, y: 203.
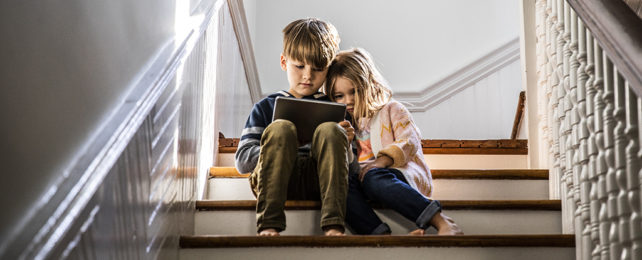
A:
x: 283, y: 173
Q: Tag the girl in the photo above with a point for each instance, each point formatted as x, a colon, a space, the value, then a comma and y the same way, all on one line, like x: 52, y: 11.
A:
x: 393, y: 171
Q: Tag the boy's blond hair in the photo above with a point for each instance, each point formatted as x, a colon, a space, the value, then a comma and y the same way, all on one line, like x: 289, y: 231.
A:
x: 370, y: 88
x: 312, y: 41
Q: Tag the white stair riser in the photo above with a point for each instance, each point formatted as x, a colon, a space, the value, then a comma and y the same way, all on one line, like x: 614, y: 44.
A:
x: 444, y: 161
x: 445, y: 189
x: 306, y: 222
x: 371, y: 253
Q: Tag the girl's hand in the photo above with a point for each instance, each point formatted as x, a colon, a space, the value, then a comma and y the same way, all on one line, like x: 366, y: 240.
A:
x: 382, y: 161
x: 349, y: 129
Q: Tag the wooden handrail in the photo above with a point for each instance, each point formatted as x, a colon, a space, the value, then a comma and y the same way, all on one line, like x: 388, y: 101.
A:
x: 619, y: 31
x: 518, y: 115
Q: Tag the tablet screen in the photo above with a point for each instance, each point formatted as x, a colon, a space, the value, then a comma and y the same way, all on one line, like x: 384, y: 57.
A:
x: 307, y: 114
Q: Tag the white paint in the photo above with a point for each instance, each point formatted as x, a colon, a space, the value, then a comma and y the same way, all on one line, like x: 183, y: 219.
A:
x: 306, y: 222
x: 233, y: 102
x: 445, y: 189
x: 444, y: 161
x: 420, y: 101
x: 483, y: 111
x: 66, y: 67
x: 415, y: 42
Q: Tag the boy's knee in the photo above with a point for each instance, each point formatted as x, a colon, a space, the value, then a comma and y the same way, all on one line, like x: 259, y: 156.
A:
x: 330, y: 130
x: 280, y: 127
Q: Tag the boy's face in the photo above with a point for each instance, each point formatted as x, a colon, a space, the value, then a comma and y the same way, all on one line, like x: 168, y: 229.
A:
x: 304, y: 79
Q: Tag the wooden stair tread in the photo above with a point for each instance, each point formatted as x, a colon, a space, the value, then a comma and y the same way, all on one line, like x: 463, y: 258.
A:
x: 210, y: 205
x: 213, y: 241
x: 434, y: 146
x: 502, y: 174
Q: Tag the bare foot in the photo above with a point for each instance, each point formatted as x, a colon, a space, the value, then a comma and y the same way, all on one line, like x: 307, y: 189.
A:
x: 334, y: 232
x: 445, y: 225
x: 269, y: 232
x: 417, y: 232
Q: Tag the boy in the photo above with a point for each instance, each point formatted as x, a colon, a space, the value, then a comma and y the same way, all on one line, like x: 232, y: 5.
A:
x: 280, y: 168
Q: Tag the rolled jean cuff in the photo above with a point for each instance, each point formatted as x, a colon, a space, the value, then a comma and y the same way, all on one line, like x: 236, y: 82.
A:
x: 423, y: 221
x: 382, y: 229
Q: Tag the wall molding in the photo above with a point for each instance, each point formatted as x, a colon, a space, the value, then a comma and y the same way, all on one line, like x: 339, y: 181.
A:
x: 467, y: 76
x: 239, y: 21
x: 61, y: 207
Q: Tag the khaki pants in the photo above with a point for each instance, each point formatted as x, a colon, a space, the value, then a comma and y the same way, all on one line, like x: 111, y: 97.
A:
x: 282, y: 174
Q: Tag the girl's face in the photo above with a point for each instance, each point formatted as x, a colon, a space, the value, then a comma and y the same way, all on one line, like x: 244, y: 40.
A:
x: 344, y: 93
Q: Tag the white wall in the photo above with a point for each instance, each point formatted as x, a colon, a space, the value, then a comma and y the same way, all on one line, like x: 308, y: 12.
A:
x: 65, y: 66
x: 415, y: 44
x: 485, y: 110
x: 233, y: 102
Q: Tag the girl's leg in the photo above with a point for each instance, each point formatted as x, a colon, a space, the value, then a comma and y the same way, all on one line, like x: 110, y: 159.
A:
x: 359, y: 215
x: 389, y: 187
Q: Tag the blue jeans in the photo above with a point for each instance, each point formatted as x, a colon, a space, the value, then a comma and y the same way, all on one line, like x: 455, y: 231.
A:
x: 390, y: 188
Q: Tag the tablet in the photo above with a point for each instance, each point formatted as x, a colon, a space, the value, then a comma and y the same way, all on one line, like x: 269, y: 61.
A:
x: 307, y: 114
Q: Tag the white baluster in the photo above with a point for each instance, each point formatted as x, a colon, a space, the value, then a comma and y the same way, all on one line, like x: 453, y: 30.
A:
x: 609, y: 144
x: 573, y: 158
x: 632, y: 170
x: 542, y: 80
x: 553, y: 84
x: 566, y: 128
x: 636, y: 199
x: 583, y: 212
x: 623, y: 209
x: 601, y: 167
x: 592, y: 147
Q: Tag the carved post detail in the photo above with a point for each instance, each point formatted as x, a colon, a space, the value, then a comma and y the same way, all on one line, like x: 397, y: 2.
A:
x: 553, y: 83
x: 566, y: 144
x: 634, y: 117
x: 583, y: 215
x: 542, y: 76
x: 600, y: 163
x: 623, y: 208
x: 591, y: 92
x: 609, y: 144
x: 632, y: 170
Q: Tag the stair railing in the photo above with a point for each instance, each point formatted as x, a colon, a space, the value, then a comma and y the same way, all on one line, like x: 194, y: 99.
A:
x: 589, y: 66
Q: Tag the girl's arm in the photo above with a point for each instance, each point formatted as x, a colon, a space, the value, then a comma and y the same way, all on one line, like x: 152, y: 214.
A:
x: 406, y: 136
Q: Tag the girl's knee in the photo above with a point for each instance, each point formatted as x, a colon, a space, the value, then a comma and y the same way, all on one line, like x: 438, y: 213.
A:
x: 374, y: 180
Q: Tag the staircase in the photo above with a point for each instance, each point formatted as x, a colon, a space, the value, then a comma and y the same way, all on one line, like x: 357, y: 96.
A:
x: 502, y: 207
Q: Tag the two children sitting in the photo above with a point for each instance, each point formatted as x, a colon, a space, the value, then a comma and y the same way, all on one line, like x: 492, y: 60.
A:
x: 389, y: 167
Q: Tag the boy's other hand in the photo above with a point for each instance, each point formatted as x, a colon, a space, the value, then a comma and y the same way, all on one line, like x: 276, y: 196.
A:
x: 349, y: 129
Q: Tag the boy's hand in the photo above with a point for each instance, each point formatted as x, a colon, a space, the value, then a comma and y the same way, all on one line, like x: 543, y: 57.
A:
x: 349, y: 129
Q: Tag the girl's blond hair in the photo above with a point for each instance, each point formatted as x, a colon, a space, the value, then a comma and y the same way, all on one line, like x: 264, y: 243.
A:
x: 371, y: 89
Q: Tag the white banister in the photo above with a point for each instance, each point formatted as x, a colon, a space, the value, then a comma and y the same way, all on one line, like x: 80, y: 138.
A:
x: 590, y: 118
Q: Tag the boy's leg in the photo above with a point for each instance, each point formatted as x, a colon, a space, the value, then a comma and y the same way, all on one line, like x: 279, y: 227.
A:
x: 330, y: 150
x: 270, y: 178
x: 389, y: 187
x: 359, y: 214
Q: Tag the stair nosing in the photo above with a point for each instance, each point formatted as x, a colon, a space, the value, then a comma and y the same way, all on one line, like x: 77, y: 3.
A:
x: 549, y: 205
x: 214, y: 241
x: 485, y: 174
